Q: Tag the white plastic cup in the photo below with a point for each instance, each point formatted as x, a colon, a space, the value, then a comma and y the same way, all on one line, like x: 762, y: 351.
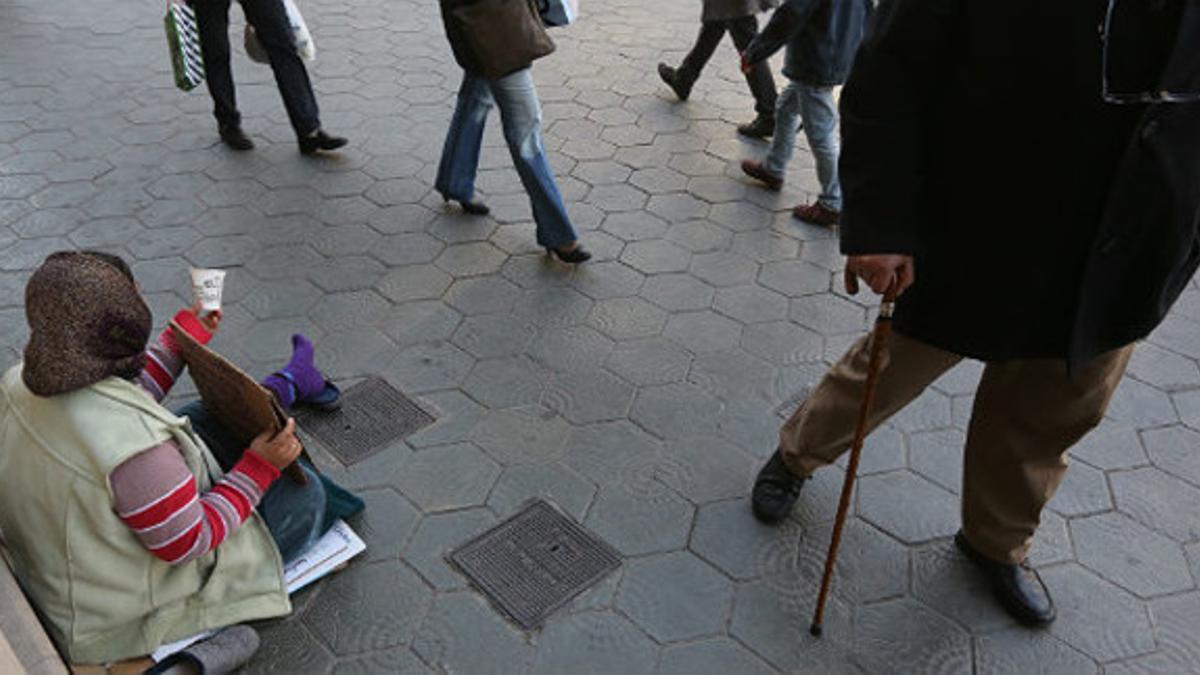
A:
x: 206, y: 288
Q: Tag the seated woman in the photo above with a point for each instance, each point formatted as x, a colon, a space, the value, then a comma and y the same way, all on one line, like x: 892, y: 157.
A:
x: 131, y: 526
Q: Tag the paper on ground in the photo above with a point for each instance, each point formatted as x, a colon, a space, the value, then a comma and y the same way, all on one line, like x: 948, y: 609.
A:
x: 339, y: 545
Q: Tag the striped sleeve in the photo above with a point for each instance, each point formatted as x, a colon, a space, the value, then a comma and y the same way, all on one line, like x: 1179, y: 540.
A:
x: 163, y: 361
x: 156, y: 496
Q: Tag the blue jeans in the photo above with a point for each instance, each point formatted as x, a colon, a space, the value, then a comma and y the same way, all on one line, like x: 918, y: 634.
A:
x: 295, y: 514
x: 521, y: 115
x: 815, y: 106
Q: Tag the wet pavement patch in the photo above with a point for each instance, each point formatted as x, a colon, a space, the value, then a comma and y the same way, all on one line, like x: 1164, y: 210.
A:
x: 534, y: 563
x: 373, y: 415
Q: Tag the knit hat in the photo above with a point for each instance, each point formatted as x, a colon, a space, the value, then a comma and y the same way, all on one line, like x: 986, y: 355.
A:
x: 87, y: 322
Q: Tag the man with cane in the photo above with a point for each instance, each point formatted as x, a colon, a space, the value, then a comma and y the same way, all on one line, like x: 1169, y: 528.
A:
x: 1027, y: 175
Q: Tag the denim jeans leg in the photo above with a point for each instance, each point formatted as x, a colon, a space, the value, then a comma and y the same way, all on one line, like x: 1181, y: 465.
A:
x: 460, y: 154
x: 821, y: 127
x: 295, y: 514
x: 220, y: 443
x: 521, y: 115
x: 787, y: 122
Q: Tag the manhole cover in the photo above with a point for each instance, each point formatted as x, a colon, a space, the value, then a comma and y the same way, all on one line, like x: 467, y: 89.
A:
x: 373, y: 416
x: 534, y: 562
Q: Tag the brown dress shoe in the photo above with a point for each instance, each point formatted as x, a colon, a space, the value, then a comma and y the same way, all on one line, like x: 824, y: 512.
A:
x: 758, y: 172
x: 817, y: 214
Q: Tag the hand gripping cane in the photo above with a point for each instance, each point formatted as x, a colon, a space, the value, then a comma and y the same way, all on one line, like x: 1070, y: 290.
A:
x: 879, y: 339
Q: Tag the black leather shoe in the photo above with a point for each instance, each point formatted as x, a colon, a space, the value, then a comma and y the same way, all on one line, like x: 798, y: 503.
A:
x: 320, y: 141
x: 761, y: 127
x: 573, y: 256
x: 235, y: 138
x: 671, y: 77
x: 1018, y: 588
x: 775, y: 491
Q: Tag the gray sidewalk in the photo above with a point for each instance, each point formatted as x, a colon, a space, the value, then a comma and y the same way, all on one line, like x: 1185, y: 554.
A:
x: 639, y: 392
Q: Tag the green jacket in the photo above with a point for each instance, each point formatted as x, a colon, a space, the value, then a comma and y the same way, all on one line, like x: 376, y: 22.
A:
x: 102, y: 594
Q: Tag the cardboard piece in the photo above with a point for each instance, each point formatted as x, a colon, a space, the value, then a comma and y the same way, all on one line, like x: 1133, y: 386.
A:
x: 243, y: 406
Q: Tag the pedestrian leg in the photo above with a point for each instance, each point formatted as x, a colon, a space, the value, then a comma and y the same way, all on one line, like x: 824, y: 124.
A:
x: 787, y: 121
x: 460, y: 154
x: 1027, y: 413
x: 521, y: 115
x: 762, y: 84
x: 710, y: 36
x: 270, y: 23
x: 820, y: 115
x: 212, y: 22
x: 822, y: 428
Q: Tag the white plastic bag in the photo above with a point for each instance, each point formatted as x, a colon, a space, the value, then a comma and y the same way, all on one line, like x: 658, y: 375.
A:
x: 300, y: 37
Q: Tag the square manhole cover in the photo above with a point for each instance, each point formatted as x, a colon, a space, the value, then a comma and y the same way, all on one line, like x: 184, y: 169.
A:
x: 534, y: 562
x: 373, y: 416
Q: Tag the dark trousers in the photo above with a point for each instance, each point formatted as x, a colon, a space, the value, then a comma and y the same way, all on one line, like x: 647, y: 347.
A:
x: 269, y: 19
x: 742, y: 30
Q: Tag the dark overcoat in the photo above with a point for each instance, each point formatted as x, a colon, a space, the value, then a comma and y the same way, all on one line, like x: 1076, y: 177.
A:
x: 1045, y: 220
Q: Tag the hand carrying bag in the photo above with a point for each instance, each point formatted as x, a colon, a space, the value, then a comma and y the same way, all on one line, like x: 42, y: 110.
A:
x: 183, y: 41
x: 558, y: 13
x: 301, y: 38
x: 505, y: 35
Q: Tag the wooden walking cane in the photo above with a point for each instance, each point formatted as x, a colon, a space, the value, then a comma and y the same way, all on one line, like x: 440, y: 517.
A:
x: 879, y: 339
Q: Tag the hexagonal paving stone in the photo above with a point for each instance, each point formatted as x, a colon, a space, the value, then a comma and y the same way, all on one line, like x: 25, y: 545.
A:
x: 1164, y: 369
x: 494, y: 335
x: 527, y: 435
x: 397, y: 250
x: 1188, y: 405
x: 1096, y: 617
x: 1172, y: 449
x: 774, y: 622
x: 394, y: 660
x: 553, y: 482
x: 368, y: 607
x: 463, y: 634
x: 903, y: 634
x: 415, y: 282
x: 735, y: 377
x: 871, y: 565
x: 487, y: 295
x: 354, y: 353
x: 699, y: 236
x: 1175, y: 619
x: 720, y: 655
x: 1016, y: 651
x: 385, y: 524
x: 675, y: 597
x: 347, y: 274
x: 340, y: 311
x: 1141, y: 405
x: 707, y: 469
x: 594, y: 643
x: 1083, y: 491
x: 570, y: 349
x: 637, y: 526
x: 678, y: 292
x: 938, y: 456
x: 419, y: 321
x: 627, y: 318
x: 908, y: 507
x: 828, y: 314
x: 429, y: 367
x: 471, y: 259
x: 287, y: 646
x: 608, y: 280
x: 1111, y: 446
x: 703, y: 331
x: 1160, y: 501
x: 783, y: 343
x: 677, y: 208
x: 1126, y: 553
x: 676, y: 411
x: 649, y: 361
x: 439, y: 534
x: 448, y: 477
x: 587, y: 396
x: 751, y: 304
x: 724, y: 268
x: 794, y: 278
x: 656, y: 256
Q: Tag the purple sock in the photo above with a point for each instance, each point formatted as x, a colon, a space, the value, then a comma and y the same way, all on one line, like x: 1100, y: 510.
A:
x: 299, y: 379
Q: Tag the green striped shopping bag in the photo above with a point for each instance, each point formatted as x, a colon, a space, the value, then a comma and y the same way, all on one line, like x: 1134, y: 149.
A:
x: 183, y: 39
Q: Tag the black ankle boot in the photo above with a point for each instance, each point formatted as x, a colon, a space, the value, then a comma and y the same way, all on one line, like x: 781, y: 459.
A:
x: 761, y: 127
x: 677, y: 84
x: 235, y: 138
x: 1018, y: 588
x: 775, y: 490
x: 320, y: 141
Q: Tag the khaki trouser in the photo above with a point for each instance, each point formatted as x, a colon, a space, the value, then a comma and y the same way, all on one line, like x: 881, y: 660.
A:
x: 1027, y: 414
